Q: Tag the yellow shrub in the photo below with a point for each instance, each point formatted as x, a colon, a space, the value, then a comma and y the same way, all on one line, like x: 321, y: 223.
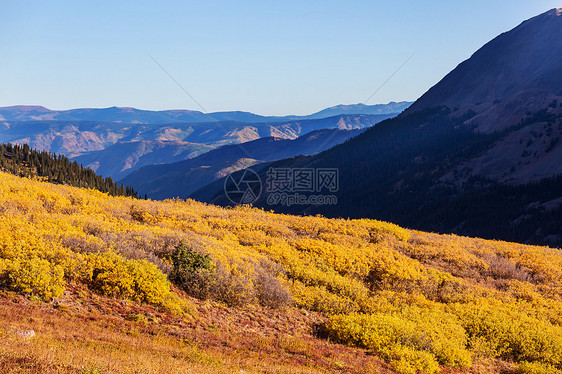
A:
x: 342, y: 260
x: 137, y: 280
x: 425, y: 298
x: 318, y: 298
x: 536, y: 368
x: 34, y: 276
x: 379, y: 229
x: 434, y: 333
x: 502, y: 330
x: 406, y: 360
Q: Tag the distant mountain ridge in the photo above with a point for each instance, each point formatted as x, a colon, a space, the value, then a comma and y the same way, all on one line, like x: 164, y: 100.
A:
x: 74, y: 138
x: 139, y: 116
x: 392, y: 107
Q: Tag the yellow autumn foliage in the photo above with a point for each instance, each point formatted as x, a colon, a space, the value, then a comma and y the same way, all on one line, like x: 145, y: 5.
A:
x: 421, y: 301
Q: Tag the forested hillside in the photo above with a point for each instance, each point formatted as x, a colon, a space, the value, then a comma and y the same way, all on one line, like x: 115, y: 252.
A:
x: 24, y: 161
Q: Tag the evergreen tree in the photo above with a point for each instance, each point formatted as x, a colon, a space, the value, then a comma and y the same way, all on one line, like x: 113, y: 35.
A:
x: 23, y: 161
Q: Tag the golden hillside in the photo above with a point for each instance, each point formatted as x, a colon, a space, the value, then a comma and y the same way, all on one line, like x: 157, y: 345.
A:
x: 259, y: 292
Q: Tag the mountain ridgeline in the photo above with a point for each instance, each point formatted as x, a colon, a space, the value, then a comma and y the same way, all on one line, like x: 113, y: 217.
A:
x: 139, y: 116
x: 479, y: 154
x: 108, y: 282
x: 26, y: 162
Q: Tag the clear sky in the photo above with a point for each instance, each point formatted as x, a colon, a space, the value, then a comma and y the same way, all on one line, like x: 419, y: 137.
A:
x: 268, y: 57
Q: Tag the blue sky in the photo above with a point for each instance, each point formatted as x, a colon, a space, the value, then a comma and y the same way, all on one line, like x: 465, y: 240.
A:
x: 268, y: 57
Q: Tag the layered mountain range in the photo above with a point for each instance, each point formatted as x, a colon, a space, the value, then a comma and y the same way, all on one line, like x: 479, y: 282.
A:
x: 182, y: 178
x: 115, y: 141
x: 73, y: 138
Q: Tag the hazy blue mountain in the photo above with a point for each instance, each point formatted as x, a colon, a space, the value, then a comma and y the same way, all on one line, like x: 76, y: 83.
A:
x: 123, y: 158
x: 389, y: 108
x: 139, y: 116
x: 181, y: 179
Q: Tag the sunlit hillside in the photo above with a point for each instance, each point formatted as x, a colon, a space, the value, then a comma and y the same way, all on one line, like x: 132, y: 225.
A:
x: 120, y: 285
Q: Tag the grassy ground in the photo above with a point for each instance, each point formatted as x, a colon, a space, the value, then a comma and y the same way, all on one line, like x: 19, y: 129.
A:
x: 87, y: 333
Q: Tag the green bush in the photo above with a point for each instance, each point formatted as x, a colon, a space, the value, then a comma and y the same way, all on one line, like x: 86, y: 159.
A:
x: 192, y: 271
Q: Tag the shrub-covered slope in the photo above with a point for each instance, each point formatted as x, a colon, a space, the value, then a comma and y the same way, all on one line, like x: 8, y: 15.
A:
x: 116, y: 284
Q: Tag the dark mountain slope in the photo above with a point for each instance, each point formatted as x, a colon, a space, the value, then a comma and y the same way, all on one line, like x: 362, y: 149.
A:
x: 527, y: 58
x: 480, y: 157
